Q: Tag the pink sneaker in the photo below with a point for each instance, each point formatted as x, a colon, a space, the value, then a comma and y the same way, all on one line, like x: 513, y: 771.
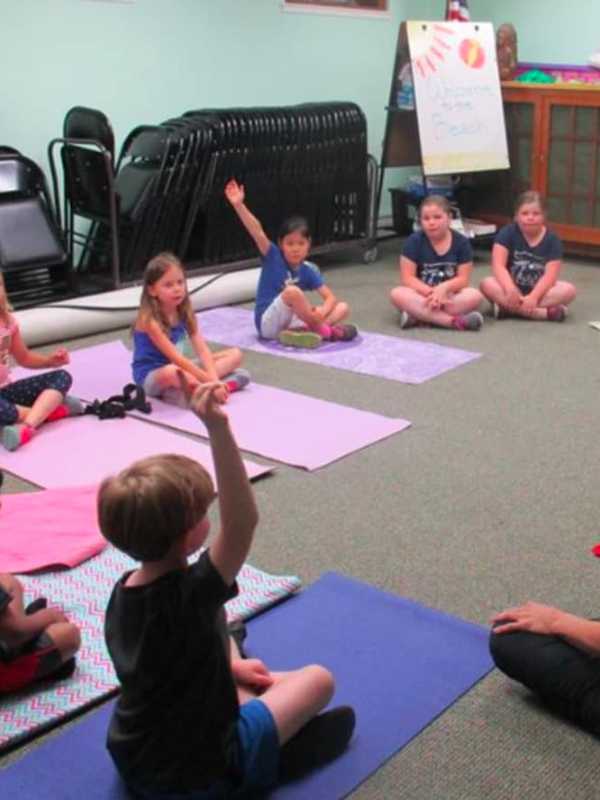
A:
x: 343, y: 333
x: 468, y: 322
x: 556, y: 313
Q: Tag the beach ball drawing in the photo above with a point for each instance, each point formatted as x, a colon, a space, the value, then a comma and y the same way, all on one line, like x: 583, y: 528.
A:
x: 472, y: 53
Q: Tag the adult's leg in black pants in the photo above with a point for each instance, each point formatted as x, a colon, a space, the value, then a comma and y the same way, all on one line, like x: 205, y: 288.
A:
x: 566, y: 679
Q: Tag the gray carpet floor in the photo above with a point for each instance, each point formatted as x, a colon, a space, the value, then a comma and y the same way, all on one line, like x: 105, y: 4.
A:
x: 489, y: 499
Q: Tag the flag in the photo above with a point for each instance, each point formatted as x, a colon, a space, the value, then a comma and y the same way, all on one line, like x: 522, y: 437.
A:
x: 457, y: 11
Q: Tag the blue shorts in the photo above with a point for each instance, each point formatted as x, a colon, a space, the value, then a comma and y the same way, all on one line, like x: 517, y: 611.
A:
x: 258, y: 759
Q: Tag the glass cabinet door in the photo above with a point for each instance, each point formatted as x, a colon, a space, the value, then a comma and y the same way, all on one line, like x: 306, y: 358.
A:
x: 572, y: 179
x: 520, y: 127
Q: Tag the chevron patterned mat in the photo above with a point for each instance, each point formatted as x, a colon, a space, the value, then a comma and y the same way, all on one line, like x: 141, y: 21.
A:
x: 83, y: 592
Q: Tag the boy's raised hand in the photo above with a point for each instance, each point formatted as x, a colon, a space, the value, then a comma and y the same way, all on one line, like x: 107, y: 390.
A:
x: 234, y: 192
x: 203, y: 400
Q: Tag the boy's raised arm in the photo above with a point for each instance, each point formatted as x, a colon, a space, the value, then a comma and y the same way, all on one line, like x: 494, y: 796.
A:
x: 234, y: 192
x: 238, y: 512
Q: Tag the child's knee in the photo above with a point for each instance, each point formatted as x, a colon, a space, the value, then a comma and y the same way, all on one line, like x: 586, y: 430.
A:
x: 63, y: 381
x: 398, y: 295
x: 10, y: 584
x: 66, y: 638
x: 487, y: 284
x: 291, y: 294
x: 236, y: 356
x: 321, y: 680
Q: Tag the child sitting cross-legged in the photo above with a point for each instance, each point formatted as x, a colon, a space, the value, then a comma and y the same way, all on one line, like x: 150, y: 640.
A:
x: 283, y: 311
x: 36, y: 641
x: 27, y: 403
x: 194, y: 719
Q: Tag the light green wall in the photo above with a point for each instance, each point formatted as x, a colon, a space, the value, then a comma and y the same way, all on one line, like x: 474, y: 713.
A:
x: 152, y: 59
x: 551, y: 31
x: 146, y: 61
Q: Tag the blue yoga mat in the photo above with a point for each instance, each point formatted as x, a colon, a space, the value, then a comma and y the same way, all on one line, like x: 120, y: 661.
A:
x: 398, y: 663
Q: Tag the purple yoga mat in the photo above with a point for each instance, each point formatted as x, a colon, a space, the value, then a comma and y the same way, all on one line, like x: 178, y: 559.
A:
x: 398, y: 663
x: 392, y: 357
x: 83, y: 450
x: 288, y: 427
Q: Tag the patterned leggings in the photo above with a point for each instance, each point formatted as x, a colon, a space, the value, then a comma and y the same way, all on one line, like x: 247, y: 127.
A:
x: 26, y: 391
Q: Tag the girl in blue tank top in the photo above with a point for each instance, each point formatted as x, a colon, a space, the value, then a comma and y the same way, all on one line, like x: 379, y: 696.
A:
x: 164, y: 324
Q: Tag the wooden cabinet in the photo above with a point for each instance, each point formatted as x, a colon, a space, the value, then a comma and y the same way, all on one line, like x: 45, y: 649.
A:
x: 554, y: 145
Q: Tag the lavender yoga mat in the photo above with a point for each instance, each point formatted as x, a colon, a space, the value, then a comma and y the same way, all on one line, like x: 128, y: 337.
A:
x: 392, y: 357
x: 281, y: 425
x: 83, y: 450
x: 398, y: 663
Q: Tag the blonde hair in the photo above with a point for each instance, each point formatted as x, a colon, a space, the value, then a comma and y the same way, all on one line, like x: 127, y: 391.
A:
x: 152, y: 504
x: 436, y: 200
x: 5, y: 306
x: 150, y: 308
x: 530, y: 196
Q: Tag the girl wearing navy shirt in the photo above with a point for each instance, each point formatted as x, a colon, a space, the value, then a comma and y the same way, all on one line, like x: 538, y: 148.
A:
x: 435, y: 267
x: 526, y: 262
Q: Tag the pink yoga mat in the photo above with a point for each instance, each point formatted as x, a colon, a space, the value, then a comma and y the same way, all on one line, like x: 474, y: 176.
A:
x: 83, y: 450
x: 285, y: 426
x: 57, y: 527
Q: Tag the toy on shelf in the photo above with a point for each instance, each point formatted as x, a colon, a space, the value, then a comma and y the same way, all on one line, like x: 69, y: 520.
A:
x: 506, y: 51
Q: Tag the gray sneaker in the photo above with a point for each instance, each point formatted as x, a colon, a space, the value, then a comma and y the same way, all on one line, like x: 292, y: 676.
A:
x: 468, y: 322
x: 407, y: 320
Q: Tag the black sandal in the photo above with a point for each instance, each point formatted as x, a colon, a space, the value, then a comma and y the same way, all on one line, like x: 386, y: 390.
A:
x: 133, y: 399
x: 105, y: 409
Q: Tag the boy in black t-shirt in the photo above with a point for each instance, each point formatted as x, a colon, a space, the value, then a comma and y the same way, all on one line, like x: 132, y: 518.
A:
x: 188, y: 721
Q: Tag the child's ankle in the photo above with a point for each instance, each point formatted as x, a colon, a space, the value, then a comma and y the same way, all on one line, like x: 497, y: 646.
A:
x: 14, y: 436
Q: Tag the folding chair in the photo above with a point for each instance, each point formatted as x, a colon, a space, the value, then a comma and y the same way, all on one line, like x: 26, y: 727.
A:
x: 89, y: 194
x: 33, y: 258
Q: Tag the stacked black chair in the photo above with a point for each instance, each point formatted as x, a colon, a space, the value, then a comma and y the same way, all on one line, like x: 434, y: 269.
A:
x: 165, y: 190
x: 309, y: 159
x: 34, y: 261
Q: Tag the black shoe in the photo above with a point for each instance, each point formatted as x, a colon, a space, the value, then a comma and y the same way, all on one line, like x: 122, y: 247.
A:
x: 104, y: 409
x: 321, y: 740
x: 36, y: 605
x: 132, y: 399
x: 64, y: 671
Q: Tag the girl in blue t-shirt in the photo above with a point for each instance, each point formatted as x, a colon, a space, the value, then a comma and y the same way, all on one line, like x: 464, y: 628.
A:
x: 164, y: 324
x: 282, y: 309
x: 526, y: 261
x: 435, y: 267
